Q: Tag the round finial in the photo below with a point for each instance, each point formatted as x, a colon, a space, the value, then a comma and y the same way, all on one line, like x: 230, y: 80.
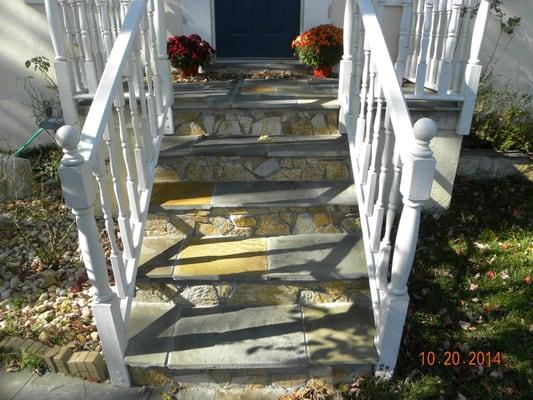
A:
x: 425, y: 129
x: 68, y: 137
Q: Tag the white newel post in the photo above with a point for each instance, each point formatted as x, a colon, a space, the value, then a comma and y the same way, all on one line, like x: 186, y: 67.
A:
x: 79, y: 191
x: 473, y: 70
x: 345, y: 73
x: 415, y: 187
x: 164, y: 64
x: 64, y: 73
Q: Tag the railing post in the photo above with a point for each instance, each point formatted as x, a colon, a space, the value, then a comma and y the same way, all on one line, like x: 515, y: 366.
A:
x: 403, y: 39
x: 415, y: 187
x: 445, y: 79
x: 345, y: 73
x: 64, y: 73
x: 164, y: 64
x: 79, y: 191
x: 473, y: 70
x: 421, y: 67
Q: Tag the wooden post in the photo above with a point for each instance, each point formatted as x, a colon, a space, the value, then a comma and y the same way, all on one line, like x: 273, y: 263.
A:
x: 415, y: 187
x: 473, y: 70
x: 445, y: 79
x: 79, y: 191
x: 346, y: 65
x: 421, y: 68
x: 64, y: 73
x: 164, y: 64
x: 403, y: 40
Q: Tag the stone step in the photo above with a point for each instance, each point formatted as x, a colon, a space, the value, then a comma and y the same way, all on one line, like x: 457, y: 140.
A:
x: 252, y: 209
x: 257, y: 107
x: 242, y: 158
x: 250, y: 337
x: 277, y: 259
x: 257, y: 65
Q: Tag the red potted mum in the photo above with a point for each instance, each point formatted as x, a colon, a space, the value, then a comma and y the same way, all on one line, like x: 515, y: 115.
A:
x: 188, y: 53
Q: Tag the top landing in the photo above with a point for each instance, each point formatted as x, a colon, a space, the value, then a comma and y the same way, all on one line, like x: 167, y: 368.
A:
x: 258, y: 94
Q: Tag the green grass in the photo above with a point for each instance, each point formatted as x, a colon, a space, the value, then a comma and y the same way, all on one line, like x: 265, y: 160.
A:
x: 471, y: 265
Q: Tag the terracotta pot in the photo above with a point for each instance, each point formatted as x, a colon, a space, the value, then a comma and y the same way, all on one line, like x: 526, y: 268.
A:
x: 189, y: 71
x: 322, y: 71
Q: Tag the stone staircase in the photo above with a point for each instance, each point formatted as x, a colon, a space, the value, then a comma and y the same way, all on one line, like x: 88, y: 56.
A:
x: 252, y: 270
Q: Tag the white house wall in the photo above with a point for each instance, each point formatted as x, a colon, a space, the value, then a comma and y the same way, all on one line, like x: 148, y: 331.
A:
x: 24, y: 33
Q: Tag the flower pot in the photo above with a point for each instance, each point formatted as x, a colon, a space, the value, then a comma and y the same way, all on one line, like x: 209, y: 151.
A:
x: 189, y: 71
x: 322, y: 71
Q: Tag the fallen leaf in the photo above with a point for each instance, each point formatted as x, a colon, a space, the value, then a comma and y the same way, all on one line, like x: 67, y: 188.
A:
x: 264, y: 138
x: 473, y: 287
x: 490, y: 274
x: 504, y: 275
x: 528, y: 280
x: 464, y: 325
x: 496, y: 374
x: 475, y: 299
x: 481, y: 246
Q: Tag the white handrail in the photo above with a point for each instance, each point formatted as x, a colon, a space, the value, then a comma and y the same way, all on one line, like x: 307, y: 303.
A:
x: 98, y: 116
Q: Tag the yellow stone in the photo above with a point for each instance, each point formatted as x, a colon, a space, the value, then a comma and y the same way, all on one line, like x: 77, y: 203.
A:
x: 258, y: 294
x: 165, y: 174
x: 182, y: 193
x: 321, y: 219
x: 258, y: 89
x: 215, y: 257
x: 269, y: 225
x: 157, y: 256
x: 244, y: 221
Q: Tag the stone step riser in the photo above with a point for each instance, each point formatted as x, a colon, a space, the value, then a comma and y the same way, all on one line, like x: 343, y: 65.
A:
x: 259, y: 383
x: 244, y: 168
x: 254, y: 222
x: 252, y: 122
x: 212, y: 294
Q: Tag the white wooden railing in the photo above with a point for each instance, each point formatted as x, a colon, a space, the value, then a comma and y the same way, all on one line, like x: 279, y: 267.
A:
x: 123, y: 63
x: 392, y: 162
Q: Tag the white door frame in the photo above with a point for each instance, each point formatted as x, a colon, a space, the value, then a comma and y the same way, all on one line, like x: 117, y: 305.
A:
x: 199, y: 16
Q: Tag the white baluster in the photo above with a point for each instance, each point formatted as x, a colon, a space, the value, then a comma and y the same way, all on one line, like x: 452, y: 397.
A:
x: 117, y: 263
x: 156, y: 78
x: 435, y: 61
x: 80, y: 193
x: 473, y: 70
x: 376, y: 149
x: 131, y: 182
x: 415, y: 187
x: 366, y: 150
x: 403, y: 40
x: 90, y: 64
x: 164, y: 64
x: 383, y: 188
x: 150, y: 96
x: 462, y: 50
x: 123, y: 215
x: 70, y: 44
x: 421, y: 68
x: 77, y: 50
x: 64, y: 75
x: 96, y: 40
x: 141, y: 127
x: 360, y: 126
x: 445, y: 79
x: 417, y: 37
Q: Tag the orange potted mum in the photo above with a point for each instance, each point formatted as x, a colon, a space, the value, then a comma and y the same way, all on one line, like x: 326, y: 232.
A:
x: 319, y: 48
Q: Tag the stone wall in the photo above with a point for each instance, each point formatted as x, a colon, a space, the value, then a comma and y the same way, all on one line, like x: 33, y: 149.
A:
x: 254, y: 222
x: 235, y: 168
x: 255, y: 122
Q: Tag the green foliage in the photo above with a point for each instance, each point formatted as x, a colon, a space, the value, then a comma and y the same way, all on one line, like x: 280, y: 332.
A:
x: 503, y: 118
x: 309, y: 55
x: 31, y: 361
x: 42, y: 103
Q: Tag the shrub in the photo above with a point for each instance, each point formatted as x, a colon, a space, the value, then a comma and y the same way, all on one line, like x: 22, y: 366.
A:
x: 186, y: 51
x: 321, y: 45
x: 503, y: 118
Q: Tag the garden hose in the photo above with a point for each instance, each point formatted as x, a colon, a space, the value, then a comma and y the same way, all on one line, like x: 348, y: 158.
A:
x: 28, y: 142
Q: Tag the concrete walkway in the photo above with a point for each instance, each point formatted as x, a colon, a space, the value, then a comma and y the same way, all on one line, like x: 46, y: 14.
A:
x: 25, y: 385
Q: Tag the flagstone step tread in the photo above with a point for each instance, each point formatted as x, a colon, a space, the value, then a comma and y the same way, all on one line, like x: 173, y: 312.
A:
x: 325, y: 146
x: 206, y: 195
x: 283, y: 336
x: 257, y: 94
x: 277, y: 259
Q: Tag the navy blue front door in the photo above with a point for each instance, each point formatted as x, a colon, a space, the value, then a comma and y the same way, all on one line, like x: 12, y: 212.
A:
x: 256, y: 28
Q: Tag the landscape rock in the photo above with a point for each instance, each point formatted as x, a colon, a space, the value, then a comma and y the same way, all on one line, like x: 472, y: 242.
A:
x: 49, y: 278
x: 267, y: 168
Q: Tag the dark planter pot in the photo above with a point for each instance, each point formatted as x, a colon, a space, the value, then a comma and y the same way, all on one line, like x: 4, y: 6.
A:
x: 322, y: 71
x: 189, y: 71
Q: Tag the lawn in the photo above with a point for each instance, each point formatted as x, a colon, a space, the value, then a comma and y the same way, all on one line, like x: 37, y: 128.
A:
x: 471, y: 296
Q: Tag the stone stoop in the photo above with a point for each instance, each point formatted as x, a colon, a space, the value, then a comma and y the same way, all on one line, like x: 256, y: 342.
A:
x: 256, y: 107
x: 252, y: 268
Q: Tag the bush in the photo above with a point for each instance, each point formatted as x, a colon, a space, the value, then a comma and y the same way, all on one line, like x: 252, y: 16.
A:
x: 503, y: 118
